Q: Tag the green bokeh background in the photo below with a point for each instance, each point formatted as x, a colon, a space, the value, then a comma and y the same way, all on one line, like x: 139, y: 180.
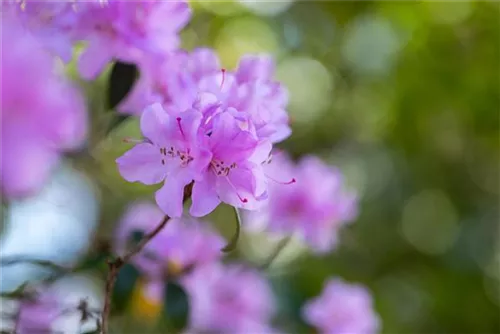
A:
x: 404, y: 97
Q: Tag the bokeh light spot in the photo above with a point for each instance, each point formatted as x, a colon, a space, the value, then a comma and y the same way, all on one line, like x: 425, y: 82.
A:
x: 245, y: 35
x: 310, y: 85
x: 430, y: 222
x: 266, y: 8
x: 370, y: 45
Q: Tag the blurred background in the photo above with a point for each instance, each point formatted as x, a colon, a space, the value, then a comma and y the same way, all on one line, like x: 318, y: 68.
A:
x: 403, y: 96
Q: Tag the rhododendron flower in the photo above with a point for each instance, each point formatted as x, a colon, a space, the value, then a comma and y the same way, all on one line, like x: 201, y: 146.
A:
x: 314, y: 207
x: 54, y: 23
x: 342, y: 308
x: 179, y: 79
x: 224, y: 161
x: 171, y: 149
x: 130, y: 31
x: 38, y: 315
x: 172, y: 80
x: 235, y: 173
x: 42, y: 114
x: 184, y: 243
x: 228, y: 299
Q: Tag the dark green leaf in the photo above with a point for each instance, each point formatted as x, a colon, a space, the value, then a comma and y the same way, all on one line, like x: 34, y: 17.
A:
x: 234, y: 240
x: 121, y: 81
x: 124, y: 286
x: 176, y: 309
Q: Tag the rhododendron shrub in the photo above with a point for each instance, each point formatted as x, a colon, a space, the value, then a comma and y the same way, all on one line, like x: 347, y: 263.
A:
x: 208, y: 139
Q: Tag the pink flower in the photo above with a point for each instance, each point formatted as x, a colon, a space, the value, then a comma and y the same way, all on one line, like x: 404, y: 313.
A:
x: 172, y: 80
x: 54, y: 23
x: 38, y: 315
x: 342, y: 308
x: 235, y: 173
x: 228, y: 299
x: 224, y: 161
x: 264, y: 99
x: 183, y: 243
x: 315, y: 206
x: 130, y: 31
x: 42, y: 114
x: 181, y: 79
x: 171, y: 150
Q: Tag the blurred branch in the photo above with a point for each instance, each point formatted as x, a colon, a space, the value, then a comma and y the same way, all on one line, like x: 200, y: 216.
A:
x: 236, y: 236
x: 277, y: 251
x: 116, y: 264
x: 13, y: 260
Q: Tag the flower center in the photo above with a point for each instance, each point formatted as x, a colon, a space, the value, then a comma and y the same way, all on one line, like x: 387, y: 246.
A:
x: 221, y: 169
x: 173, y: 153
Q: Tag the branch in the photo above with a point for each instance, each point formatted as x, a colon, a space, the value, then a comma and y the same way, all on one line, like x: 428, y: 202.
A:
x: 13, y: 260
x: 277, y: 251
x: 116, y: 264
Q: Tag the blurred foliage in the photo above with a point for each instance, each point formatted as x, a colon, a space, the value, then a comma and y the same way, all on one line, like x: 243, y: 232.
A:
x: 404, y: 97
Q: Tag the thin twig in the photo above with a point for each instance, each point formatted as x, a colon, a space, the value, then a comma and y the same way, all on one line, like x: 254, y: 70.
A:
x: 13, y: 260
x: 277, y: 251
x: 115, y: 266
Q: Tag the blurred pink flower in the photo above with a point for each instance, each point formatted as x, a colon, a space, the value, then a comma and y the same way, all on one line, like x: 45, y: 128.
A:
x: 315, y: 206
x: 180, y: 79
x: 54, y: 23
x: 182, y: 244
x: 129, y: 31
x: 38, y: 315
x: 229, y: 299
x: 42, y: 114
x: 342, y: 308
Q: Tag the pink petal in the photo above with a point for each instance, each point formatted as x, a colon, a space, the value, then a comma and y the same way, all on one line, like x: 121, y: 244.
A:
x: 153, y: 123
x: 170, y: 197
x: 25, y: 166
x: 94, y: 58
x: 204, y: 198
x: 143, y: 163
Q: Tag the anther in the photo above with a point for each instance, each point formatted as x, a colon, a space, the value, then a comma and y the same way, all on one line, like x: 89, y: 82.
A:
x: 223, y: 77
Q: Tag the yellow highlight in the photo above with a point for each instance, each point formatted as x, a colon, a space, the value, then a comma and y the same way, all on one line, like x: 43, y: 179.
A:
x: 144, y: 307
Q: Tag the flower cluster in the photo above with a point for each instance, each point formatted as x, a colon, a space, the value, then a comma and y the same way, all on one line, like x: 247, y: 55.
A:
x: 315, y: 207
x: 167, y: 254
x: 184, y: 80
x: 222, y: 298
x: 33, y: 96
x: 342, y: 308
x: 229, y: 299
x: 224, y: 161
x: 129, y: 31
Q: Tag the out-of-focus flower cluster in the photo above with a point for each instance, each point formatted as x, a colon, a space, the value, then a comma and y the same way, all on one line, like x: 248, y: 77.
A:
x: 223, y: 298
x: 42, y: 113
x: 314, y: 208
x: 208, y: 134
x: 127, y: 31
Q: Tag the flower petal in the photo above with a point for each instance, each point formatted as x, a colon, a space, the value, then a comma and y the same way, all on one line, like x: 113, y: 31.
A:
x: 94, y: 58
x: 143, y: 163
x: 153, y: 123
x: 170, y: 197
x: 204, y: 198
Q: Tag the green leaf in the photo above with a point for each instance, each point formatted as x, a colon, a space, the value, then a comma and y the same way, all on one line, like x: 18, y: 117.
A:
x: 124, y: 287
x: 121, y: 81
x: 176, y: 306
x: 234, y: 240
